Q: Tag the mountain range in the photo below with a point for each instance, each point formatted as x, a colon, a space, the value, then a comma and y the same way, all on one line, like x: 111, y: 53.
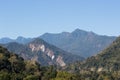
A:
x: 42, y: 52
x: 19, y: 39
x: 78, y: 42
x: 103, y: 66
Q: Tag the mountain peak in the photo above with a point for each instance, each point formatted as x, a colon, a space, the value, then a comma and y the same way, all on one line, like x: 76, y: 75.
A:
x: 38, y: 41
x: 77, y: 32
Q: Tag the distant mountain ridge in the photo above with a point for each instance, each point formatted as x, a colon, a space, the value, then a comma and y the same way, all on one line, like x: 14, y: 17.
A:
x: 19, y: 39
x: 5, y: 40
x: 78, y: 42
x: 42, y: 52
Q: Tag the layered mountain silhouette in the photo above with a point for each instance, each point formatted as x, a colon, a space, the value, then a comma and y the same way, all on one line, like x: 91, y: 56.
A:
x: 19, y: 39
x: 78, y: 42
x: 42, y: 52
x: 102, y: 66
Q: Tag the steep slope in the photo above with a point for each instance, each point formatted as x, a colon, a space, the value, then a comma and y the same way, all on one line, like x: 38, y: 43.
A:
x: 107, y: 60
x: 13, y: 67
x: 103, y: 66
x: 43, y: 53
x: 79, y: 42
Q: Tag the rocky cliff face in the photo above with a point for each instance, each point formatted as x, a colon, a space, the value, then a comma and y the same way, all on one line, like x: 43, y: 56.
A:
x: 60, y: 61
x: 47, y: 52
x: 44, y: 53
x: 36, y: 47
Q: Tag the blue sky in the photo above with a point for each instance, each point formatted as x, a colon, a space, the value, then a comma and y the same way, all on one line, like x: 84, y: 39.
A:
x: 32, y: 18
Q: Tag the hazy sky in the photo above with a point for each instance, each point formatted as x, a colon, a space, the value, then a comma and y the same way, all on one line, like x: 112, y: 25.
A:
x: 31, y: 18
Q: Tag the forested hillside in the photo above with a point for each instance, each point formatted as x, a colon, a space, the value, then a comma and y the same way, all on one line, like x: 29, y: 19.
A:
x: 104, y: 66
x: 13, y: 67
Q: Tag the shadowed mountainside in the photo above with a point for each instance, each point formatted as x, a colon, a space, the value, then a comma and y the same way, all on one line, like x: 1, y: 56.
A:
x: 42, y: 52
x: 79, y: 42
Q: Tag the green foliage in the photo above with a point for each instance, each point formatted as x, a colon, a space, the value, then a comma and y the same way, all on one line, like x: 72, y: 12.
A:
x: 48, y: 72
x: 32, y: 77
x: 65, y: 76
x: 13, y: 67
x: 4, y: 75
x: 104, y: 66
x: 108, y: 59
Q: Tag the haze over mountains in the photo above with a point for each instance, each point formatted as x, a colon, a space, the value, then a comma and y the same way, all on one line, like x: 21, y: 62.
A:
x: 78, y: 42
x: 59, y: 39
x: 19, y: 39
x: 42, y: 52
x: 102, y: 66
